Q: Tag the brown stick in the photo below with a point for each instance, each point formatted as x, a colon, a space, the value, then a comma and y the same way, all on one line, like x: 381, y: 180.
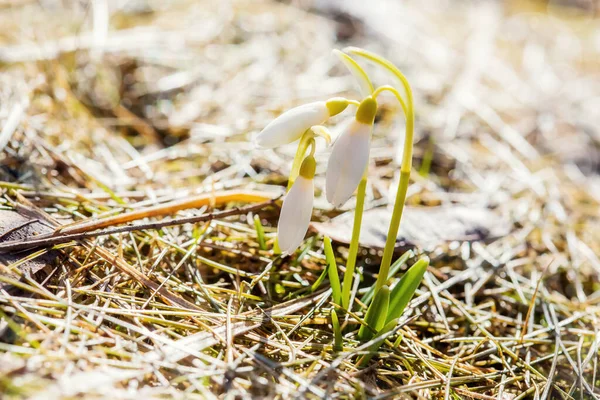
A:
x: 115, y: 260
x: 205, y: 199
x: 50, y: 240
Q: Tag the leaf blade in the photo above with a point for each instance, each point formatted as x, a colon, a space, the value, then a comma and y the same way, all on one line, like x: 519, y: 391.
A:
x: 406, y: 287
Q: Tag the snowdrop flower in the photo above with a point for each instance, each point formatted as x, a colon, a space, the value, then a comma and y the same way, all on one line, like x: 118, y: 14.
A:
x: 297, y: 207
x: 350, y: 155
x: 290, y: 125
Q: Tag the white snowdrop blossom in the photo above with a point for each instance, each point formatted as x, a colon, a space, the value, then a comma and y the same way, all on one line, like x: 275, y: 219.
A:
x: 290, y: 125
x: 350, y: 155
x: 297, y: 207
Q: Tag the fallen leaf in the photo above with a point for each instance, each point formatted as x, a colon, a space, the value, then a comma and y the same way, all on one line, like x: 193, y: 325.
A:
x: 15, y: 226
x: 422, y: 227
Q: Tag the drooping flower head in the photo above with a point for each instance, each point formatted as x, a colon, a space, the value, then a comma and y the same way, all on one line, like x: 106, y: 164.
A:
x: 297, y: 207
x: 350, y: 155
x: 290, y: 125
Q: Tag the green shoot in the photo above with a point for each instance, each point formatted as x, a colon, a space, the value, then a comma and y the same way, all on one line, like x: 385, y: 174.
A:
x: 406, y: 287
x: 260, y: 233
x: 378, y: 341
x: 398, y: 341
x: 337, y: 332
x: 334, y: 278
x: 368, y: 296
x: 319, y: 280
x: 376, y: 315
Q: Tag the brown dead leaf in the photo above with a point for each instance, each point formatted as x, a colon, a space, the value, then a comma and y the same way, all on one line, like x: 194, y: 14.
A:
x: 15, y: 226
x: 423, y: 227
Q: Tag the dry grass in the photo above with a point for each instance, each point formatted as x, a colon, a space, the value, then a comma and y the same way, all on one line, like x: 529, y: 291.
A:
x: 160, y: 108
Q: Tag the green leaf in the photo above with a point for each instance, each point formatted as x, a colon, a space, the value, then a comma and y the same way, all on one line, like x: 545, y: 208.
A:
x: 375, y: 346
x: 260, y: 233
x: 334, y: 278
x: 319, y: 280
x: 406, y: 287
x: 368, y: 296
x: 304, y: 251
x: 376, y: 314
x: 337, y: 332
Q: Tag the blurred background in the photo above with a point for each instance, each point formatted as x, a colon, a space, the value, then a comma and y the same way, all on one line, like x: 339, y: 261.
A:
x: 184, y: 84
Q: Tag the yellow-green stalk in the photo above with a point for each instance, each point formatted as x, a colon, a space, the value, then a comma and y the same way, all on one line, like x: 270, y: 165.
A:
x: 405, y: 167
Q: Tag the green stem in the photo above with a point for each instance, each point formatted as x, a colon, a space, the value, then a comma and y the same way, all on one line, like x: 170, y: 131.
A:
x: 390, y: 242
x: 351, y: 263
x: 366, y: 88
x: 368, y: 296
x: 395, y: 92
x: 405, y: 168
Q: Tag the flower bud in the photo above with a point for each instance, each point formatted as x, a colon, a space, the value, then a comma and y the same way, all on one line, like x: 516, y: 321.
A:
x: 350, y: 155
x: 290, y: 125
x: 297, y: 207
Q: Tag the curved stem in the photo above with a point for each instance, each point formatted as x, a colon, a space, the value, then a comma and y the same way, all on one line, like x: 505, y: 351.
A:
x: 305, y: 141
x: 392, y: 89
x: 323, y: 132
x: 405, y: 168
x: 353, y: 251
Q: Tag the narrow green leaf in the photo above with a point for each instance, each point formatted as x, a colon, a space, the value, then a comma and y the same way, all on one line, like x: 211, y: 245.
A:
x: 304, y: 251
x: 334, y: 278
x: 337, y: 332
x: 376, y: 314
x: 319, y: 280
x: 368, y: 296
x: 375, y: 346
x: 398, y: 340
x: 260, y: 233
x: 406, y: 287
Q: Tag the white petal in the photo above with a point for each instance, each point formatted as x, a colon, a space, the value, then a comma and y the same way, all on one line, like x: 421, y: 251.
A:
x: 290, y: 125
x: 296, y: 212
x: 347, y: 163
